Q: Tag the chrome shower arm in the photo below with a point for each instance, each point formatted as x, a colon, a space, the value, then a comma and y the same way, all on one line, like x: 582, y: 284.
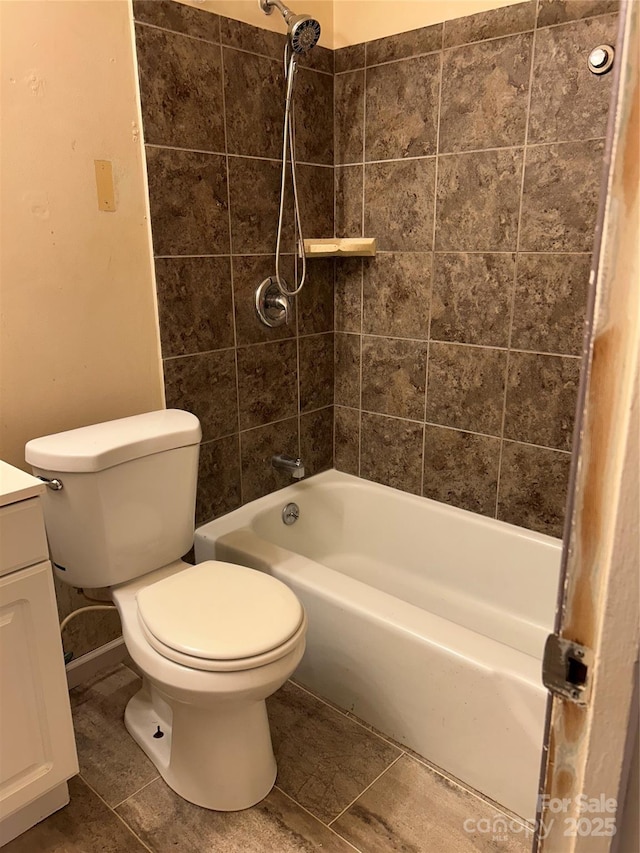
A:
x: 267, y: 7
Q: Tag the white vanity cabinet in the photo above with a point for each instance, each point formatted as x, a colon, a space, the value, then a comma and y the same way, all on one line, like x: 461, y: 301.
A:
x: 37, y: 746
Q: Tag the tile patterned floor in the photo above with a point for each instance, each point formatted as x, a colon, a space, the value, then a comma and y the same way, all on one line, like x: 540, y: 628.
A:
x: 341, y: 787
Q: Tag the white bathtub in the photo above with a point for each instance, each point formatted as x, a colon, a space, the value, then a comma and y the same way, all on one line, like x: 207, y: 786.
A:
x: 426, y: 621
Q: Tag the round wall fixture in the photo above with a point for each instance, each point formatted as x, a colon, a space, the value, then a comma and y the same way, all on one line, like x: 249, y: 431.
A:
x: 601, y: 59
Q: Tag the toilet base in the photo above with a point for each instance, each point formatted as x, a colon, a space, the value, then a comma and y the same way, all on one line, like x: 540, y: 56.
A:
x: 219, y: 758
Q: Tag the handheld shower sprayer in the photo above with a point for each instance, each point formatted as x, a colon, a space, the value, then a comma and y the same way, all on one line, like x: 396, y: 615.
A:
x: 303, y: 34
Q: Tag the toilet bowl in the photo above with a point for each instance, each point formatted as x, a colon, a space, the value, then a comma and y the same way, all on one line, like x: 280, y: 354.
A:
x: 203, y: 721
x: 211, y: 641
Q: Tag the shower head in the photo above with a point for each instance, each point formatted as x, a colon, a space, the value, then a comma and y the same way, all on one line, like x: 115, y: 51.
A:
x: 304, y: 31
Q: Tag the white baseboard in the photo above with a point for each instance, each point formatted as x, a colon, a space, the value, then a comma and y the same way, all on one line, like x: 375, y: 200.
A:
x: 86, y: 666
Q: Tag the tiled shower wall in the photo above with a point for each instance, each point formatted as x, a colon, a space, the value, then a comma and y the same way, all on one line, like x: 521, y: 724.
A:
x: 473, y: 152
x: 212, y: 106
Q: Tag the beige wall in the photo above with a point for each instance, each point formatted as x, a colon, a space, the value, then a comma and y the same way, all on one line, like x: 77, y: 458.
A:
x: 356, y: 21
x: 347, y: 22
x: 78, y: 334
x: 249, y: 11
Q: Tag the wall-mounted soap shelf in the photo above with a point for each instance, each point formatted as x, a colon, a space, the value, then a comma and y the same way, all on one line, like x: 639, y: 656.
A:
x: 338, y: 247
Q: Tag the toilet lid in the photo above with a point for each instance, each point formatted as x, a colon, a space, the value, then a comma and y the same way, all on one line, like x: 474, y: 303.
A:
x: 220, y: 611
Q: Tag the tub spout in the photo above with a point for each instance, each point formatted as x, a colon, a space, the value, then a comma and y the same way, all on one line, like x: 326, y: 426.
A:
x: 286, y: 463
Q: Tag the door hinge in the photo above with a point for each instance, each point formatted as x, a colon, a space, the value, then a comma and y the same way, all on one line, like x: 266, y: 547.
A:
x: 566, y: 669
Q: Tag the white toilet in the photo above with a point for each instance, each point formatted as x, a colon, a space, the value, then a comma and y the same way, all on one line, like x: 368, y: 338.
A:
x: 213, y: 641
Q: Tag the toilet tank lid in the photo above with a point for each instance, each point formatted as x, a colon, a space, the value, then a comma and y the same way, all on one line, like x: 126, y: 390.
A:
x: 100, y: 446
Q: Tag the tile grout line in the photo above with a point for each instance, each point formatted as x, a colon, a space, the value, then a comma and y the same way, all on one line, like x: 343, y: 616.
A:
x: 440, y: 342
x: 146, y: 785
x: 461, y: 153
x: 362, y: 793
x: 433, y: 246
x: 233, y: 294
x: 163, y: 147
x: 362, y: 230
x: 515, y: 275
x: 315, y: 817
x: 115, y: 813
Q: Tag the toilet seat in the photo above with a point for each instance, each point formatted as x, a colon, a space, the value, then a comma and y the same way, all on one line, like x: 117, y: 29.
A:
x: 220, y: 617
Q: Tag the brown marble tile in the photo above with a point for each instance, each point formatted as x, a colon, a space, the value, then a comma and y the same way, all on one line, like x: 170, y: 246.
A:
x: 188, y: 201
x: 314, y: 117
x: 461, y: 469
x: 110, y: 760
x: 319, y: 59
x: 391, y: 452
x: 180, y: 90
x: 86, y: 825
x: 218, y: 478
x: 167, y: 824
x: 248, y: 273
x: 412, y: 808
x: 397, y: 293
x: 252, y: 39
x: 541, y: 399
x: 550, y: 303
x: 315, y: 302
x: 316, y: 441
x: 394, y: 376
x: 478, y: 201
x: 399, y: 202
x: 349, y: 117
x: 471, y: 302
x: 347, y: 440
x: 465, y: 387
x: 402, y: 45
x: 254, y: 104
x: 490, y: 24
x: 560, y: 197
x: 402, y: 108
x: 561, y: 11
x: 324, y: 759
x: 568, y: 101
x: 349, y: 58
x: 205, y: 385
x: 178, y: 17
x: 257, y: 447
x: 349, y: 199
x: 533, y: 487
x: 348, y: 295
x: 316, y: 371
x: 315, y: 191
x: 485, y: 91
x: 347, y: 370
x: 194, y: 304
x: 267, y: 383
x: 255, y: 196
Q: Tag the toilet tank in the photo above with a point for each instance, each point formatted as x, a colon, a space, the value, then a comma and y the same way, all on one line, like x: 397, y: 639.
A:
x: 127, y: 502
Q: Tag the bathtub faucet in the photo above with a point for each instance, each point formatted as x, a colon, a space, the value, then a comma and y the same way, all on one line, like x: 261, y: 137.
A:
x: 285, y: 463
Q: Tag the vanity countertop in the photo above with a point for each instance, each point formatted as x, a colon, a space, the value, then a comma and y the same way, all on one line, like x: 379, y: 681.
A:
x: 17, y: 485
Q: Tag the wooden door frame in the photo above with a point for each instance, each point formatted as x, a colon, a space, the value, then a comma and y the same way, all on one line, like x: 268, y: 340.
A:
x: 585, y: 747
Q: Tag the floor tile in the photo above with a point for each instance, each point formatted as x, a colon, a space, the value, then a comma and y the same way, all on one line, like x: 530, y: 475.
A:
x: 324, y: 759
x: 86, y: 825
x: 110, y: 760
x: 166, y: 822
x: 412, y: 809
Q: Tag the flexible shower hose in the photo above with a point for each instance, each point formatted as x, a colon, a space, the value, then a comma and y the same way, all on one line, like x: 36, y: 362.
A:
x: 289, y: 151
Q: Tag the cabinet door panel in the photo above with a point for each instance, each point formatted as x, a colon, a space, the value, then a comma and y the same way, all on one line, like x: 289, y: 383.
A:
x: 37, y: 749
